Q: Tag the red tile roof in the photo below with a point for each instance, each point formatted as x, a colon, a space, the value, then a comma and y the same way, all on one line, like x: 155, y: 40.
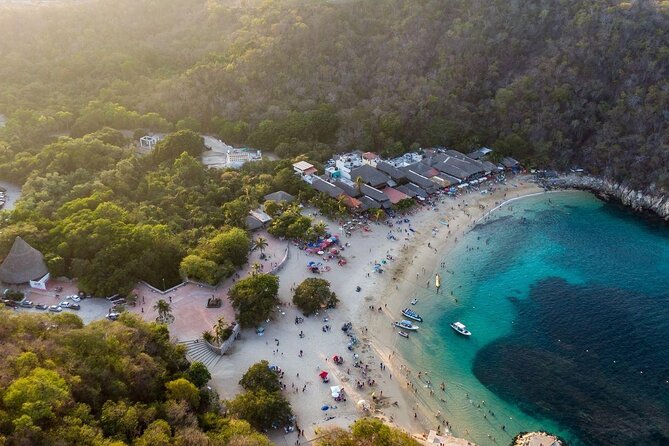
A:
x: 394, y: 195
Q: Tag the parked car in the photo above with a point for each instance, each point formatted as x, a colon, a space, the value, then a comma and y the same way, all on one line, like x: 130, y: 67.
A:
x: 65, y: 304
x: 42, y: 307
x: 113, y: 316
x: 74, y: 298
x: 10, y: 303
x: 26, y: 304
x: 55, y: 308
x: 74, y: 307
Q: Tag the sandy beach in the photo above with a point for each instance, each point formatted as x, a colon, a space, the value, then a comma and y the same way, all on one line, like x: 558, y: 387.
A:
x: 395, y: 394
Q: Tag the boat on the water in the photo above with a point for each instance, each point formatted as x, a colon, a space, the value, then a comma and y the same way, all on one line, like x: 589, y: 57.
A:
x: 414, y: 301
x: 460, y: 328
x: 408, y: 312
x: 437, y: 281
x: 406, y: 325
x: 404, y: 334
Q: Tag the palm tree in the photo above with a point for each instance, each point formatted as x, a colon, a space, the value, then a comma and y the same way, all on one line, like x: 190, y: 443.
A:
x: 255, y: 268
x: 219, y: 328
x: 320, y: 228
x: 260, y: 244
x: 378, y: 214
x: 358, y: 184
x: 164, y: 310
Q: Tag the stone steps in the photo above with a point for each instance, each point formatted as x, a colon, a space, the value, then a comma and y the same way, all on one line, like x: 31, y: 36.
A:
x: 200, y: 351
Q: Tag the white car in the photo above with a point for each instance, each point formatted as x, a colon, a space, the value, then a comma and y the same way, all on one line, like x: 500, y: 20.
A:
x: 55, y: 308
x: 74, y: 298
x: 64, y: 304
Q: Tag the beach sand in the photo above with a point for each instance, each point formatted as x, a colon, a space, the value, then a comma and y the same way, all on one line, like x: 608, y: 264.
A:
x: 412, y: 266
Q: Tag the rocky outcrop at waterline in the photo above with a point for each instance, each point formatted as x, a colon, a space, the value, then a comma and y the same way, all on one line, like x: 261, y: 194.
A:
x: 638, y: 200
x: 537, y: 439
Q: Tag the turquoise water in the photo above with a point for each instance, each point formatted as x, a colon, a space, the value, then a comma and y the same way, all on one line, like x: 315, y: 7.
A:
x: 568, y: 301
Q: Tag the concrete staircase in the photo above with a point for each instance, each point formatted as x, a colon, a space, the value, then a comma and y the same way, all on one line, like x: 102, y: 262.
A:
x: 200, y: 351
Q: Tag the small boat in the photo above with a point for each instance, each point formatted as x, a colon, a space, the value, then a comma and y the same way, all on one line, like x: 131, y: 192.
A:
x: 408, y: 312
x: 460, y: 328
x: 407, y: 325
x: 404, y: 334
x: 437, y: 281
x: 414, y: 301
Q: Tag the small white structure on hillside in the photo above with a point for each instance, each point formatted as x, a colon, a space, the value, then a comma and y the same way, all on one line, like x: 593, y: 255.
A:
x: 148, y: 142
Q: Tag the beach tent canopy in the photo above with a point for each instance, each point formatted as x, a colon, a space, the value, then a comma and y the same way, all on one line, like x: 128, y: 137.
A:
x: 335, y: 391
x: 323, y: 374
x: 23, y: 264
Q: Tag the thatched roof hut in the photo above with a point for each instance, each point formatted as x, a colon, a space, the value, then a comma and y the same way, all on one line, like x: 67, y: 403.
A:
x: 23, y: 264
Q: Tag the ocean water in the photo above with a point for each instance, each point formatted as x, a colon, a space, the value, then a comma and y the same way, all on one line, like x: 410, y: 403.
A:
x: 567, y: 298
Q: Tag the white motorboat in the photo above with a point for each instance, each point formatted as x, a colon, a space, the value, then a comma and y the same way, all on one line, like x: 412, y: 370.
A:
x: 460, y: 328
x: 406, y: 325
x: 414, y: 301
x: 409, y: 313
x: 404, y: 334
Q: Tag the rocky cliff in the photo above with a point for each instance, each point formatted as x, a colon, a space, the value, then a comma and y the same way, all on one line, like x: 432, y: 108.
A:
x: 638, y: 200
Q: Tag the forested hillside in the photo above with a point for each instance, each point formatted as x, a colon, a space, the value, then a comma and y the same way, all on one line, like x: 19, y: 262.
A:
x: 105, y: 384
x: 558, y: 83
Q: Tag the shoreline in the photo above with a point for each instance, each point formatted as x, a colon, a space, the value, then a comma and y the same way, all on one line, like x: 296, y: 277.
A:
x: 409, y: 265
x: 420, y: 261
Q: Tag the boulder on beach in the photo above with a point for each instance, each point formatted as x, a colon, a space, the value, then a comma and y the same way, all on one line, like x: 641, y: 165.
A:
x: 537, y: 439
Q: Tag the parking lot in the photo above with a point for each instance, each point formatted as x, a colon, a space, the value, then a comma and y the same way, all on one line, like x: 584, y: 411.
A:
x: 91, y: 309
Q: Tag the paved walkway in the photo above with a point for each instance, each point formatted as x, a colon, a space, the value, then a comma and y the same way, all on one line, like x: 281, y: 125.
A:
x: 189, y: 302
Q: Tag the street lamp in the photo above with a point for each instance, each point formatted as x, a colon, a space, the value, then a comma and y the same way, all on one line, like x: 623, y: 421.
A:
x: 163, y: 284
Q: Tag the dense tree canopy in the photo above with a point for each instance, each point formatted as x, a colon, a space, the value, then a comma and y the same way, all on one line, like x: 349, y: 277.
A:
x: 365, y: 432
x: 107, y: 383
x: 254, y: 298
x: 561, y: 83
x: 313, y: 294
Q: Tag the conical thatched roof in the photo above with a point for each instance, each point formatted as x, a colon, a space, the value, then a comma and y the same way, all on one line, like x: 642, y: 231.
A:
x: 23, y: 264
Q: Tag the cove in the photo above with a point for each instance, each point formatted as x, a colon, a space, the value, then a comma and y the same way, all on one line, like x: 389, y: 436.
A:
x: 567, y: 299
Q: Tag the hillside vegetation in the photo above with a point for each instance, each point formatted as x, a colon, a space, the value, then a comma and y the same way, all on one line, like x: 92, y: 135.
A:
x: 557, y: 83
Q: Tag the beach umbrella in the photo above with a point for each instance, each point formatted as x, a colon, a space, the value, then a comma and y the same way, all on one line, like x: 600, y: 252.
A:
x: 335, y: 391
x: 320, y: 253
x: 323, y: 374
x: 325, y: 407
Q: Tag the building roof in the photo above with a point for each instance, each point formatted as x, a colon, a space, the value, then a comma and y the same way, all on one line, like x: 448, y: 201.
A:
x: 260, y: 216
x: 419, y: 191
x: 509, y: 162
x: 374, y: 193
x: 420, y: 180
x: 369, y: 175
x: 328, y: 188
x: 370, y: 203
x: 351, y: 202
x: 303, y: 165
x: 22, y: 264
x: 280, y: 196
x: 395, y: 195
x: 422, y: 169
x: 253, y: 223
x: 480, y: 153
x: 395, y: 173
x: 405, y: 189
x: 348, y: 187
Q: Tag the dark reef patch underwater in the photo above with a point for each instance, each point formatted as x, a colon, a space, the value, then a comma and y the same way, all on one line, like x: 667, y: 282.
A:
x: 589, y: 348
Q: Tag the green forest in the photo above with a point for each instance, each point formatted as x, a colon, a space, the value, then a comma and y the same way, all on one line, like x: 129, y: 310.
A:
x: 553, y: 83
x: 556, y: 84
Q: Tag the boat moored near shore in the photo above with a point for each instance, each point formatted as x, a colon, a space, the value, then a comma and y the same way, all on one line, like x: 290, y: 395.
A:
x: 460, y: 328
x: 406, y: 325
x: 409, y: 313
